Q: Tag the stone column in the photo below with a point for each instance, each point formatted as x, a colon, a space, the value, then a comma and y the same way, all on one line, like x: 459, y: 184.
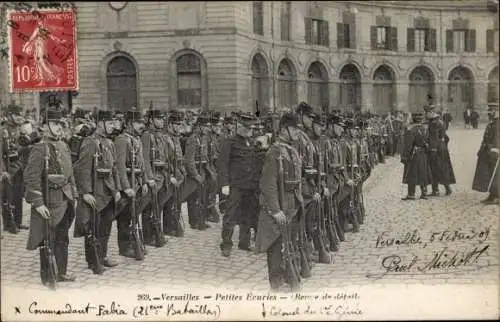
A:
x: 333, y: 98
x: 301, y: 89
x: 367, y: 95
x: 402, y: 95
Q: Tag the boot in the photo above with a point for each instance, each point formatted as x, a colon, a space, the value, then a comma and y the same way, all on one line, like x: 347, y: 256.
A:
x: 213, y: 214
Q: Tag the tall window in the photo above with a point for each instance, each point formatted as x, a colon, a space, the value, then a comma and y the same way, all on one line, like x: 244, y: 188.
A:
x: 189, y: 81
x: 317, y: 86
x: 350, y: 88
x: 492, y: 40
x: 121, y: 84
x: 383, y: 89
x: 382, y: 38
x: 421, y: 85
x: 287, y: 91
x: 459, y: 41
x: 260, y: 84
x: 343, y: 35
x: 421, y: 40
x: 286, y: 13
x: 258, y: 17
x: 317, y: 32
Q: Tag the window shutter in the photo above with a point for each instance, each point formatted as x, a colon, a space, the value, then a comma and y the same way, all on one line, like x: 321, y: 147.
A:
x: 471, y: 40
x: 410, y: 40
x: 284, y: 25
x: 432, y: 40
x: 449, y: 41
x: 340, y: 35
x: 490, y: 40
x: 373, y: 37
x: 325, y: 33
x: 394, y: 38
x: 308, y: 26
x: 352, y: 36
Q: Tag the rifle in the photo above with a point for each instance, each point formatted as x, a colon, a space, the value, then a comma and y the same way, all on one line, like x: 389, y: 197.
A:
x: 352, y: 208
x: 201, y: 200
x: 8, y: 203
x: 330, y: 228
x: 46, y: 250
x: 94, y: 247
x: 136, y: 231
x: 324, y: 256
x: 160, y: 240
x: 177, y: 202
x: 292, y: 274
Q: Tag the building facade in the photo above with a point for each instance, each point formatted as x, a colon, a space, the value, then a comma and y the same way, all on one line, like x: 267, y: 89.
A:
x: 249, y: 55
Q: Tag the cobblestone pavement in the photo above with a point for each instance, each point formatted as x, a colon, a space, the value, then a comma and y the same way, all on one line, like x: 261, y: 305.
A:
x: 195, y: 259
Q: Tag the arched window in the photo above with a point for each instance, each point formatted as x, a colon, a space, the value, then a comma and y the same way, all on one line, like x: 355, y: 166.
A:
x: 317, y: 87
x: 493, y: 84
x: 189, y: 84
x: 260, y: 84
x: 460, y: 91
x: 350, y: 88
x: 287, y: 84
x: 121, y: 79
x: 421, y: 85
x: 384, y: 90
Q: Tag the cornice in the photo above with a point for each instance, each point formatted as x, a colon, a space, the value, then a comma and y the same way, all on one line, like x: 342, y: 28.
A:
x: 463, y: 5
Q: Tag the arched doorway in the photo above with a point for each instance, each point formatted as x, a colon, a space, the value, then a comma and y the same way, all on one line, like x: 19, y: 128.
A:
x: 260, y: 84
x: 317, y: 87
x: 460, y: 91
x: 287, y: 84
x: 421, y: 84
x: 121, y: 79
x: 384, y: 90
x: 350, y: 88
x: 493, y: 84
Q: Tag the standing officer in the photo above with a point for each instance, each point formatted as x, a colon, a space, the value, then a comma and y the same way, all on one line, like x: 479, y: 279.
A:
x: 155, y: 149
x: 414, y: 157
x: 276, y: 212
x: 12, y: 198
x: 100, y: 196
x: 130, y: 162
x: 239, y: 183
x: 486, y: 175
x: 56, y: 204
x: 172, y: 220
x: 198, y: 171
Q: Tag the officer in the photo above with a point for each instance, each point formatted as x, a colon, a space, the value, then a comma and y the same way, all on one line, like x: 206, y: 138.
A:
x: 154, y: 142
x: 279, y: 215
x: 414, y: 157
x: 198, y: 173
x: 239, y: 182
x: 13, y: 185
x: 172, y: 217
x: 56, y: 204
x: 100, y: 196
x: 130, y: 162
x: 214, y: 138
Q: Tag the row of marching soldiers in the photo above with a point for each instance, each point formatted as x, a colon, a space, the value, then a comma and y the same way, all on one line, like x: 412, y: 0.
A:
x: 297, y: 175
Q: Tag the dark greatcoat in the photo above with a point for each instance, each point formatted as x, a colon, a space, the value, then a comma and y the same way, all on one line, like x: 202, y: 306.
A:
x: 439, y: 156
x: 196, y: 152
x: 268, y: 230
x: 485, y: 160
x: 62, y: 190
x: 414, y: 156
x: 106, y: 185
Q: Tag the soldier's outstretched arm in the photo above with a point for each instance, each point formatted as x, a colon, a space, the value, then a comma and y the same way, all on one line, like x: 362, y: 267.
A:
x: 269, y: 181
x: 84, y: 165
x: 33, y: 175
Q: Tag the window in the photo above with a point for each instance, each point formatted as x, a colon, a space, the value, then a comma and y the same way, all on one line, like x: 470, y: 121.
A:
x: 459, y: 41
x: 492, y: 40
x: 317, y: 32
x: 495, y: 41
x: 287, y: 87
x: 258, y: 18
x: 286, y: 12
x: 344, y: 35
x: 121, y: 81
x: 382, y: 39
x: 421, y: 40
x: 188, y: 81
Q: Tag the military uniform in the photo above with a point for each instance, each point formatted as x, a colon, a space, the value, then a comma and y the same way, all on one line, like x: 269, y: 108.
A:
x: 59, y: 198
x: 129, y: 162
x: 172, y: 220
x: 237, y: 171
x: 97, y: 148
x: 269, y: 237
x: 214, y: 142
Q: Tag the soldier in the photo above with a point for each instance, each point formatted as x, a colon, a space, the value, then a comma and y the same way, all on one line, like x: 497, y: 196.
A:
x: 414, y: 157
x: 439, y: 156
x: 239, y: 182
x: 214, y: 142
x: 130, y: 162
x: 172, y: 220
x: 52, y: 207
x: 81, y: 130
x: 100, y: 196
x: 14, y: 162
x: 278, y: 215
x: 486, y: 174
x: 198, y: 171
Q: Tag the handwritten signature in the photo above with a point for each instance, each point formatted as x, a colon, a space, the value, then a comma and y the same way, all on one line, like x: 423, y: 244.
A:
x: 102, y: 310
x: 443, y: 261
x: 338, y: 312
x: 197, y: 309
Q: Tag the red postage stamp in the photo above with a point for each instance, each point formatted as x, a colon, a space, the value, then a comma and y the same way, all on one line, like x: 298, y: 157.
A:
x: 43, y: 51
